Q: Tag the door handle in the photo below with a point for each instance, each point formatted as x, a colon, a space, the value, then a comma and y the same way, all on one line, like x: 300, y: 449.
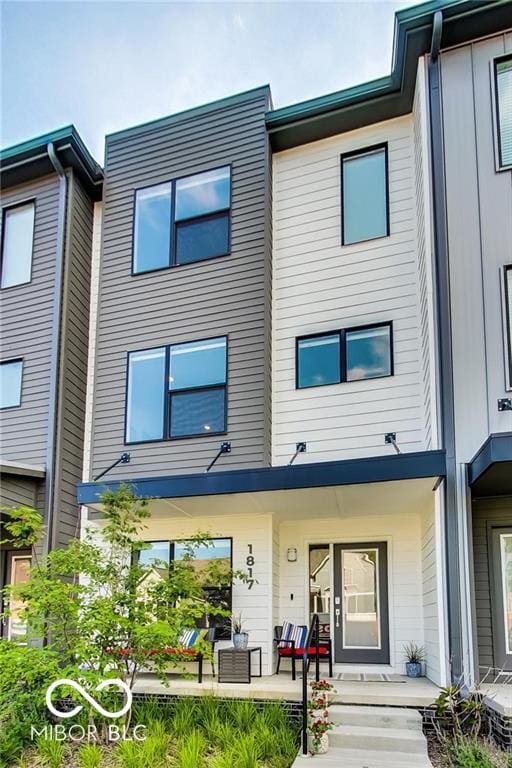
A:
x: 337, y: 613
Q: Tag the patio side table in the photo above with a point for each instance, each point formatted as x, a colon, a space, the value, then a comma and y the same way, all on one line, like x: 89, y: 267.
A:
x: 235, y: 665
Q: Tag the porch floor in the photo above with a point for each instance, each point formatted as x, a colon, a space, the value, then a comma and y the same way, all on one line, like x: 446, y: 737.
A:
x: 419, y: 692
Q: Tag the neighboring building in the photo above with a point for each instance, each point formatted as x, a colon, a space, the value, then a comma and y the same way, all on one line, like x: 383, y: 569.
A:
x: 49, y: 186
x: 476, y: 162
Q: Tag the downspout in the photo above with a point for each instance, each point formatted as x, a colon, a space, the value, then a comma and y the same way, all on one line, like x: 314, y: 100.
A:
x: 445, y: 353
x: 55, y: 351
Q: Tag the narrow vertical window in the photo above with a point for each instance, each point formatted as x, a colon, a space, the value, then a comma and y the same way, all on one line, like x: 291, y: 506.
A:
x: 152, y: 228
x: 17, y: 244
x: 145, y: 398
x: 508, y: 320
x: 503, y: 82
x: 10, y: 383
x: 364, y: 194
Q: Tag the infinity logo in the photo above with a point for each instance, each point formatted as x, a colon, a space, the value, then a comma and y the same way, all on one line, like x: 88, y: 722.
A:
x: 104, y: 684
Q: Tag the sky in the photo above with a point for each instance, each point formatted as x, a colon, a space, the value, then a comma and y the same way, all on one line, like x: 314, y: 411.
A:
x: 105, y: 66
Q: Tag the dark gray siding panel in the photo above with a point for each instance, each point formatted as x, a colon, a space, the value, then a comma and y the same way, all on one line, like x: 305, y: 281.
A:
x: 226, y: 296
x: 73, y: 363
x: 17, y: 490
x: 487, y: 513
x: 26, y: 326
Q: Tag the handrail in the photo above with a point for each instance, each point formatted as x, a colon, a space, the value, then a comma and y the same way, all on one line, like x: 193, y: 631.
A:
x: 313, y: 637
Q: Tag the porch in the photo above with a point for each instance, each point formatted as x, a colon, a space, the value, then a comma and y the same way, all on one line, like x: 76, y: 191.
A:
x: 408, y: 692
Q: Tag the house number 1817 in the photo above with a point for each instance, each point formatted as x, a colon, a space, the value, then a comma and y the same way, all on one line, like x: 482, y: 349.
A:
x: 249, y: 560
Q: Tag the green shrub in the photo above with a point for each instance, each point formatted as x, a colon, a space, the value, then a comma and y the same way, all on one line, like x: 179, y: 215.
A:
x: 191, y: 751
x: 25, y: 673
x: 466, y: 753
x: 51, y: 753
x: 89, y: 756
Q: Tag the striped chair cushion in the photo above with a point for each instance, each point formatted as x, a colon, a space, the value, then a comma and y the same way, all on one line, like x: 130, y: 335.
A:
x: 189, y: 637
x: 295, y: 632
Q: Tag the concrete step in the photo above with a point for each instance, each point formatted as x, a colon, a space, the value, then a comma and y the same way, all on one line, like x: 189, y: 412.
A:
x: 382, y: 717
x: 387, y: 739
x: 359, y: 758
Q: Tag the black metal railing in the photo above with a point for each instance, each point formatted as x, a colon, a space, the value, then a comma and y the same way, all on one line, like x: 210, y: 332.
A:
x: 312, y: 641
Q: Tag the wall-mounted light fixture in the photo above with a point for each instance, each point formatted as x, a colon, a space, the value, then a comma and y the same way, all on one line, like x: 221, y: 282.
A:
x: 505, y: 404
x: 291, y: 554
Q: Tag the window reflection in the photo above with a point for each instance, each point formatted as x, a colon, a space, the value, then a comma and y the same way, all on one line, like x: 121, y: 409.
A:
x: 320, y: 585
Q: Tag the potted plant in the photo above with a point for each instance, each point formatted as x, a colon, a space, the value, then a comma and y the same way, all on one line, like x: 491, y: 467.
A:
x: 414, y: 657
x: 240, y: 638
x: 318, y: 731
x: 321, y: 690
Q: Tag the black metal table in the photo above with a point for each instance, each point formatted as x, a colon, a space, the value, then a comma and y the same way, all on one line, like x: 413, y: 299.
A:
x: 235, y: 664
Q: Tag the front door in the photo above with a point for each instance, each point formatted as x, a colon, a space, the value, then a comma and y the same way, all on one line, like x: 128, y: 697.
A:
x: 502, y: 597
x: 361, y: 622
x: 18, y: 567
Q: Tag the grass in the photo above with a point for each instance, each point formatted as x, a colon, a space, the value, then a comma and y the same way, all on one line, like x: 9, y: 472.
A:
x: 186, y: 733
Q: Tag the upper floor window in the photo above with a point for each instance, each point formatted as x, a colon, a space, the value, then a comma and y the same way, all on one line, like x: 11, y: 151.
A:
x: 346, y: 355
x: 10, y: 383
x: 182, y: 221
x: 503, y: 86
x: 508, y: 320
x: 177, y: 391
x: 364, y: 195
x: 17, y: 242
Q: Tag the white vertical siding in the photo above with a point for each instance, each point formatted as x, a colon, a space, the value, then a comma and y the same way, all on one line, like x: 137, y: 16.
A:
x: 318, y: 285
x: 403, y: 536
x: 432, y: 555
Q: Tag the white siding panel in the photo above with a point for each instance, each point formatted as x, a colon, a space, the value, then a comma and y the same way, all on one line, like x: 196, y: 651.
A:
x: 318, y: 285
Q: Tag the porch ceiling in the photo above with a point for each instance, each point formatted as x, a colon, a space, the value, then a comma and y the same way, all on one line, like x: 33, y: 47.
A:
x: 335, y: 501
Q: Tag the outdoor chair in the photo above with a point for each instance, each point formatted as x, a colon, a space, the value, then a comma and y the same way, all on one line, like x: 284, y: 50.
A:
x: 290, y: 640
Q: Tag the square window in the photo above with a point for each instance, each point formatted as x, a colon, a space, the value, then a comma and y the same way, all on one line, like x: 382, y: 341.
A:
x: 10, y: 383
x: 198, y: 412
x: 503, y: 79
x: 364, y: 185
x: 145, y: 401
x: 318, y: 361
x: 368, y: 353
x: 508, y: 321
x: 17, y: 244
x: 152, y: 236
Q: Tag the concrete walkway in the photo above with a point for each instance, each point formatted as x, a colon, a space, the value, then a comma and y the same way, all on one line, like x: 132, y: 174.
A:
x: 373, y: 737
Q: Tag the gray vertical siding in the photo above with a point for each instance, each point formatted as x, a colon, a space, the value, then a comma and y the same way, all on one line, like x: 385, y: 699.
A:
x: 487, y: 513
x: 73, y: 362
x: 229, y: 295
x: 26, y: 326
x: 479, y: 206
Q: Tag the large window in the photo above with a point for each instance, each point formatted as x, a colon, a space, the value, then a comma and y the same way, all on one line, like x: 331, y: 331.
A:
x: 17, y: 242
x: 189, y: 400
x: 160, y: 555
x: 503, y: 88
x: 346, y: 355
x: 507, y: 274
x: 364, y: 195
x: 10, y: 383
x: 182, y: 221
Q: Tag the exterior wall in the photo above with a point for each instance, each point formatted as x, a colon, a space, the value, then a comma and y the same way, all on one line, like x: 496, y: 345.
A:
x: 26, y: 328
x: 486, y: 513
x: 404, y: 537
x: 320, y: 285
x: 73, y: 363
x: 254, y: 604
x: 18, y: 490
x: 224, y: 296
x: 433, y: 590
x: 479, y: 209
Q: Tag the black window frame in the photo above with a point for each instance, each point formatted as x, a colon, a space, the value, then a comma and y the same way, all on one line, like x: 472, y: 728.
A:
x: 342, y: 332
x: 18, y: 204
x: 223, y: 633
x: 507, y: 269
x: 501, y: 166
x: 168, y: 393
x: 7, y: 362
x: 354, y: 153
x: 174, y: 225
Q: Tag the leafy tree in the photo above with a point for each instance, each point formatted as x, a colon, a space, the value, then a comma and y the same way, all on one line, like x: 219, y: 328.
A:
x: 101, y: 610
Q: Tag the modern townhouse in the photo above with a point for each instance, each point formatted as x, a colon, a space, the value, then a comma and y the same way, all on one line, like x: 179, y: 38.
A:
x: 49, y: 188
x: 472, y: 151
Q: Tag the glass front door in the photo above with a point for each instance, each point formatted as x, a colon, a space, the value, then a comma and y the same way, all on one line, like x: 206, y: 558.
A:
x: 502, y: 608
x: 361, y: 624
x: 18, y: 573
